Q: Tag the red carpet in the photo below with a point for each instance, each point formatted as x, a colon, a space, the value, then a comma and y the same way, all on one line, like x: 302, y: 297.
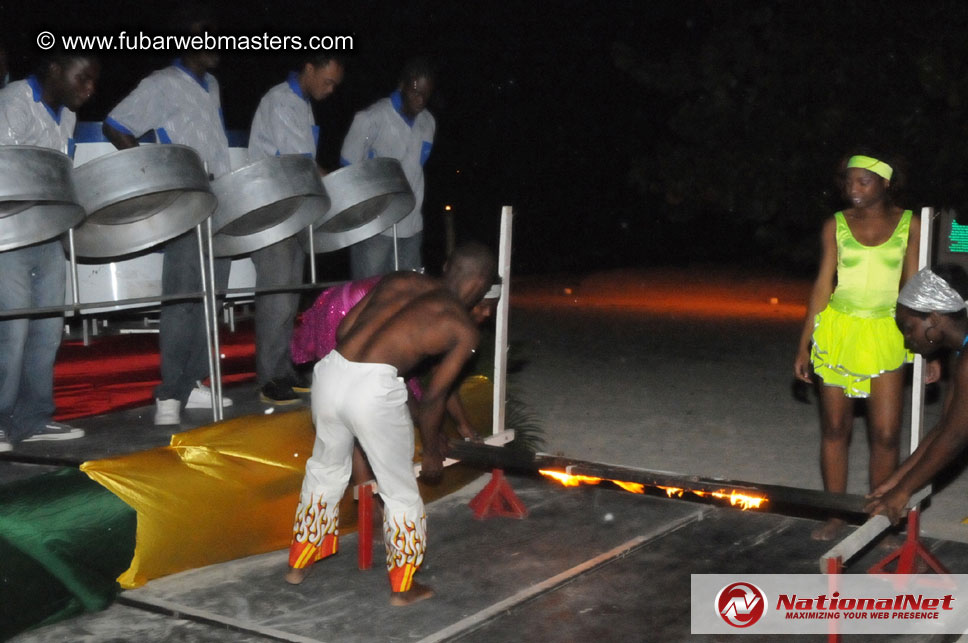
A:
x: 121, y: 371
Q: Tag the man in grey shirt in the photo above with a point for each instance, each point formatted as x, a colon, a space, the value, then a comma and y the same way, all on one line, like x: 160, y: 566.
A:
x: 181, y: 104
x: 38, y: 111
x: 399, y: 127
x: 284, y: 124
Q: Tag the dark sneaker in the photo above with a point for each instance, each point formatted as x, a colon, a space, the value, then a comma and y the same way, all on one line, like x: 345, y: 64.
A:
x: 56, y: 431
x: 300, y: 382
x: 278, y: 392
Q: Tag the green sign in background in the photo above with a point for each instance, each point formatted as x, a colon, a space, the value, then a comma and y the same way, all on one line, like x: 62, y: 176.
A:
x: 958, y: 241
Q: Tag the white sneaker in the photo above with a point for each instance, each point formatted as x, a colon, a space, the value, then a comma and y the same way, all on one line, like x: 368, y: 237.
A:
x: 56, y: 431
x: 5, y: 443
x: 201, y: 398
x: 167, y: 412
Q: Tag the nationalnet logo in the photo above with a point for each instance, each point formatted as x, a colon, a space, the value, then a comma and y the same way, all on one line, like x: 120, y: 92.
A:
x: 741, y: 604
x: 820, y: 604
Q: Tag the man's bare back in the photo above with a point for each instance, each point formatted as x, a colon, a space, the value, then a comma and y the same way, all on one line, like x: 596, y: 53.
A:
x: 405, y: 320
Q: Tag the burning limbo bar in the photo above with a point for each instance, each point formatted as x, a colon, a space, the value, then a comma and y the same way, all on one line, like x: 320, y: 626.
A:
x: 673, y: 483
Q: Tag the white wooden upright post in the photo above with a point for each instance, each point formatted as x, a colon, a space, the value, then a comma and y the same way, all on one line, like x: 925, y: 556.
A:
x: 501, y: 321
x: 917, y: 384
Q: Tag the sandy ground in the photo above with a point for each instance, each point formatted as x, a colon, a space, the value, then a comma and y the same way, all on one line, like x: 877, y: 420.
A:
x: 687, y: 371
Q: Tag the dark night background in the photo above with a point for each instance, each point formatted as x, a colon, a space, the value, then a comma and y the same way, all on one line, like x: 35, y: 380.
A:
x: 623, y: 133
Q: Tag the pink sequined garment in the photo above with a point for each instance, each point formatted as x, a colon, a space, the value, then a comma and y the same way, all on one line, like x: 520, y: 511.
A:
x: 315, y: 336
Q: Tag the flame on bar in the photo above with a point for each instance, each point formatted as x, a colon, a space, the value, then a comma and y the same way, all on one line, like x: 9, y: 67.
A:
x: 569, y: 480
x: 735, y: 498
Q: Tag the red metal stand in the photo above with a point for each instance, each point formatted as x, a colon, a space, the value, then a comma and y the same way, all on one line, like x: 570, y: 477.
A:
x: 497, y: 499
x: 834, y: 568
x: 364, y: 521
x: 907, y: 555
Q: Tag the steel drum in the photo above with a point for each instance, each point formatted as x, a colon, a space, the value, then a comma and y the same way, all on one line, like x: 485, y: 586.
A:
x: 140, y: 197
x: 266, y: 202
x: 367, y: 198
x: 37, y: 196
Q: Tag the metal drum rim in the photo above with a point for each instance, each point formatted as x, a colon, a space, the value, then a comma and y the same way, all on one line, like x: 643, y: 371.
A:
x: 226, y: 191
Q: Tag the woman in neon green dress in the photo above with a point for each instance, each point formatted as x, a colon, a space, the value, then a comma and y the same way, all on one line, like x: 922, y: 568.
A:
x: 869, y: 250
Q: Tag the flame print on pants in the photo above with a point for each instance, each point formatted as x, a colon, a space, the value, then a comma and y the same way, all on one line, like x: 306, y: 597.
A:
x: 315, y: 534
x: 406, y: 542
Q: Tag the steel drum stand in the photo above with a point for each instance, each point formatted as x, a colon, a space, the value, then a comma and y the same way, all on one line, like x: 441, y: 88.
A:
x: 208, y: 300
x: 211, y: 318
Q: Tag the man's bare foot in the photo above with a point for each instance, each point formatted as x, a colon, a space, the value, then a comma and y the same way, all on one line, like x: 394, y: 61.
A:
x: 829, y: 530
x: 415, y: 594
x: 295, y: 576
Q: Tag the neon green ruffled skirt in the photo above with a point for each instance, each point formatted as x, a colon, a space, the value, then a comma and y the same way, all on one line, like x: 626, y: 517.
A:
x: 848, y: 351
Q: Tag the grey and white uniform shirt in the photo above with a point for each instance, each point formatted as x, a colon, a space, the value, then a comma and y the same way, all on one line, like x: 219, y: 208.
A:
x: 383, y: 130
x: 182, y: 108
x: 283, y: 123
x: 25, y: 119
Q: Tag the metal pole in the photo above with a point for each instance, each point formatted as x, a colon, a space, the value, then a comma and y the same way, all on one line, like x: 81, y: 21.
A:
x: 208, y: 314
x: 917, y: 385
x: 75, y: 296
x: 396, y: 254
x: 312, y: 256
x: 216, y: 375
x: 501, y: 321
x: 863, y: 535
x: 501, y: 458
x: 450, y: 233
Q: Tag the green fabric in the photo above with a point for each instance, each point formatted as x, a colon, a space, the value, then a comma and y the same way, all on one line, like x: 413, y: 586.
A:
x: 880, y: 168
x: 869, y: 277
x: 64, y: 539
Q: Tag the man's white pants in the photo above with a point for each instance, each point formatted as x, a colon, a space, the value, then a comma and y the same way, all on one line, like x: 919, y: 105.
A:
x: 367, y: 402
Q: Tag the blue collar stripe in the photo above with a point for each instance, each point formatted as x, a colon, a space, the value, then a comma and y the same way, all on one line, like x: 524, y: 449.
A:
x: 201, y: 81
x: 396, y: 99
x: 293, y: 81
x: 34, y: 83
x: 425, y: 152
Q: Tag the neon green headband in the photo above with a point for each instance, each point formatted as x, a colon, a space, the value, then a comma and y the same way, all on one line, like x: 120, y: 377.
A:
x: 880, y: 168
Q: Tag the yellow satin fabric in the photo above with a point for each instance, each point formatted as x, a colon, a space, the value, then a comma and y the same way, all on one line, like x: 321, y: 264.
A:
x: 230, y: 490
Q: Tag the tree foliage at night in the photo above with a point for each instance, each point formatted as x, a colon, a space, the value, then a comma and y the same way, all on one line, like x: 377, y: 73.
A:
x: 758, y: 102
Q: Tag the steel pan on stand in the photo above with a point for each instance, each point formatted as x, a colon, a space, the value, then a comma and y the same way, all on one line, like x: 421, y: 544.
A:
x: 366, y: 199
x: 265, y: 202
x: 38, y: 200
x: 139, y: 198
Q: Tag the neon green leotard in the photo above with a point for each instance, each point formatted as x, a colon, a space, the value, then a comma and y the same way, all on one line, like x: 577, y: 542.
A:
x: 868, y: 276
x: 854, y: 337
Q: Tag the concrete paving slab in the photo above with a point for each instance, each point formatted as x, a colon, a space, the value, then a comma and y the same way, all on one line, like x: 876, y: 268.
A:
x: 589, y: 563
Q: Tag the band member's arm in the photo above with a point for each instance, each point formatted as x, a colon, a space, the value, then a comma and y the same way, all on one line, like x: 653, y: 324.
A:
x: 935, y: 451
x: 119, y: 139
x: 430, y: 414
